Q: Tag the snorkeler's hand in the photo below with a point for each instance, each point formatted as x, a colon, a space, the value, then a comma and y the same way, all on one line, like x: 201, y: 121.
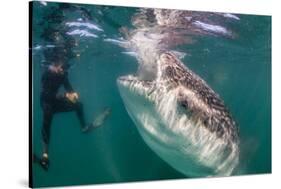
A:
x: 56, y: 69
x: 73, y: 97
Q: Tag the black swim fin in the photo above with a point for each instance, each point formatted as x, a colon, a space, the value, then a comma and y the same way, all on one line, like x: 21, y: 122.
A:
x: 44, y: 163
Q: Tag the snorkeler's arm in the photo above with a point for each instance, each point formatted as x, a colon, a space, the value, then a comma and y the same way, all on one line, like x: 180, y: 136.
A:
x: 67, y: 84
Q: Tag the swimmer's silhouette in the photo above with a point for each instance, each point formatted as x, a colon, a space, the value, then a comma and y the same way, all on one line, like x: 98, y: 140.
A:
x: 55, y: 76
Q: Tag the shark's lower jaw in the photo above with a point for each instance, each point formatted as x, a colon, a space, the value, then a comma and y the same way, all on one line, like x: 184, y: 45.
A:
x: 179, y: 140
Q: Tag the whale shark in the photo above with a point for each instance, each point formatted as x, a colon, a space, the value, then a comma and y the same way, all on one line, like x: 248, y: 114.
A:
x: 179, y: 116
x: 182, y: 119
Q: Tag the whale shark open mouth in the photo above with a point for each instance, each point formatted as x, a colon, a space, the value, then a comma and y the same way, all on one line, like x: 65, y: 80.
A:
x: 134, y: 84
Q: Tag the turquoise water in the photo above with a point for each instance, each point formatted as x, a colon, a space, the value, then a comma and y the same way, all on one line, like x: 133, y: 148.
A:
x: 238, y: 69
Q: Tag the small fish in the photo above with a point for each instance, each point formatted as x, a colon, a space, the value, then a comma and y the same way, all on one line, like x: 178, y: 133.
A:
x: 101, y: 117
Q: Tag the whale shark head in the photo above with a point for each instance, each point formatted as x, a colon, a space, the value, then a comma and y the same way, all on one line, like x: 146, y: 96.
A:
x: 180, y: 117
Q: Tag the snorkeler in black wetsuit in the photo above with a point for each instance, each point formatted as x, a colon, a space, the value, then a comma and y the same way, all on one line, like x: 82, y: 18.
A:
x: 52, y: 102
x: 56, y: 60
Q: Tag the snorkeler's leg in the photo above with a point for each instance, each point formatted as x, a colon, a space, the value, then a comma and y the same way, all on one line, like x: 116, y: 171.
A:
x: 46, y: 131
x: 64, y: 105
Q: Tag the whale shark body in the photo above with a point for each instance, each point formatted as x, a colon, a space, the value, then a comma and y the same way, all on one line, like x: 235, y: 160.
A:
x: 182, y: 119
